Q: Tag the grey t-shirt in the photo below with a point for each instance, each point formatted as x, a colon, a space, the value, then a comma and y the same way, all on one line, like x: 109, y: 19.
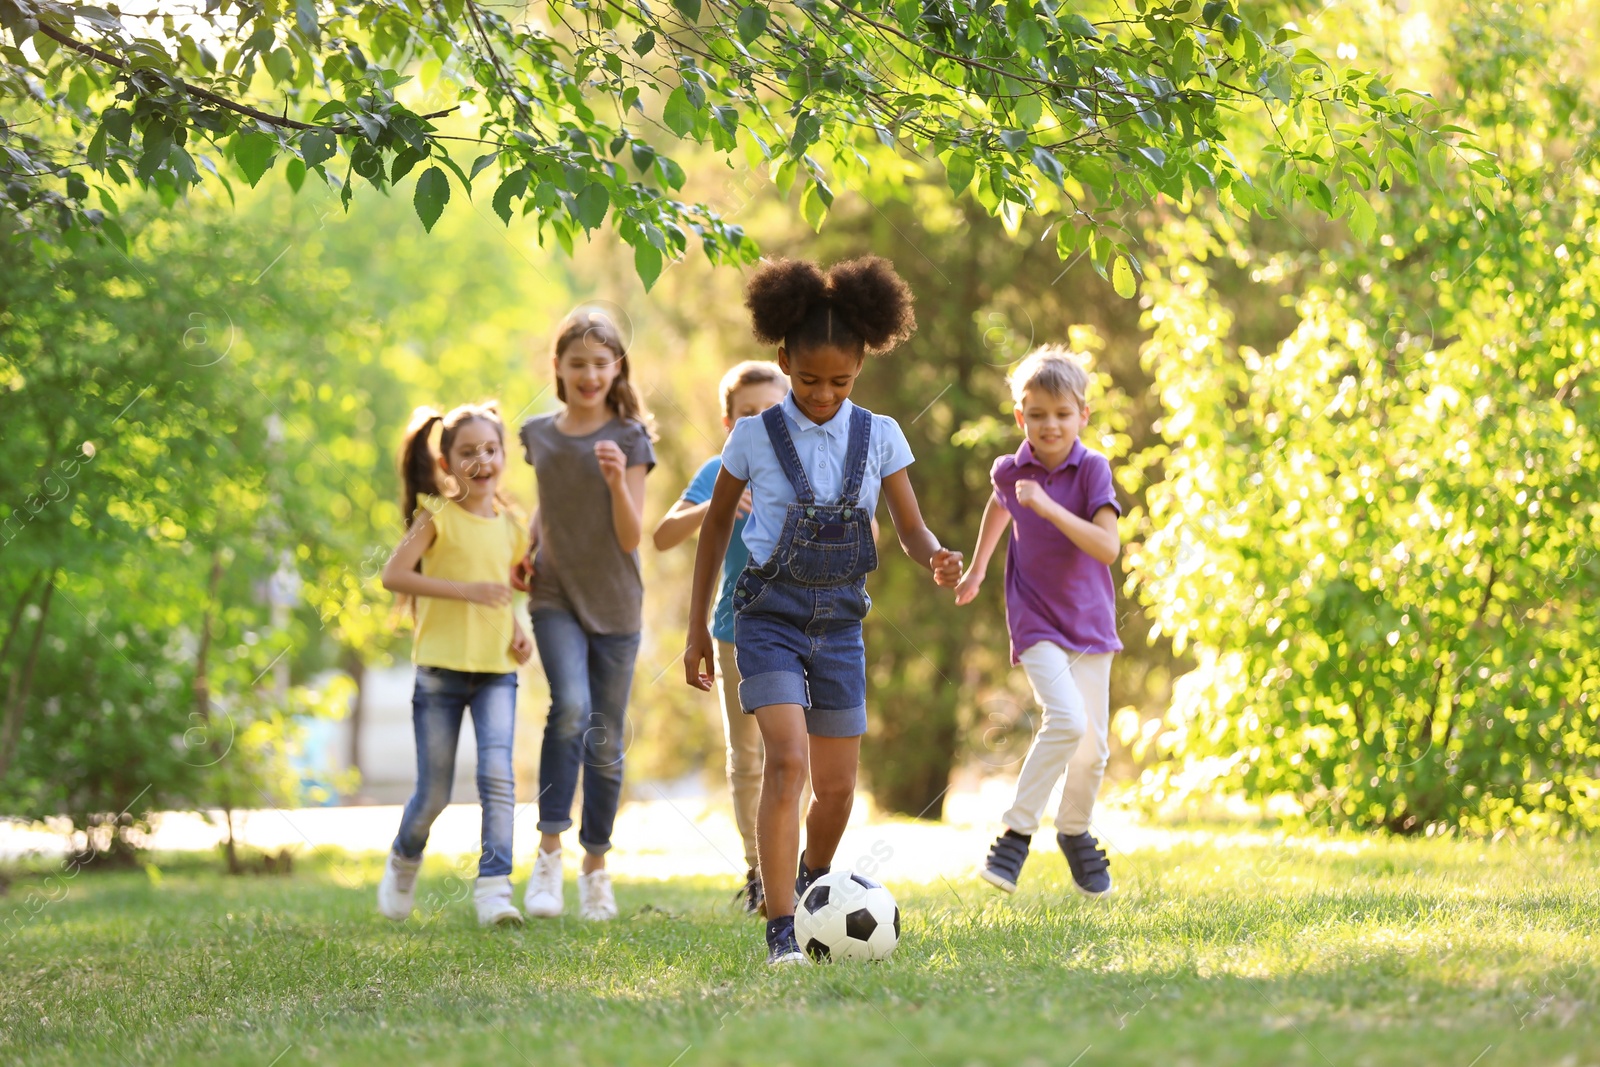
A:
x: 580, y: 566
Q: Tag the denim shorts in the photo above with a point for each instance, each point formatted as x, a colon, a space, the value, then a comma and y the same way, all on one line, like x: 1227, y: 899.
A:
x: 798, y: 644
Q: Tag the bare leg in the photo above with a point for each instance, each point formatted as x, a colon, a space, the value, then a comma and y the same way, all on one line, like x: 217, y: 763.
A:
x: 783, y: 734
x: 833, y: 788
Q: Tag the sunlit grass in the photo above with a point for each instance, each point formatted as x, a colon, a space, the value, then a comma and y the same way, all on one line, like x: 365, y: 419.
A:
x: 1225, y: 947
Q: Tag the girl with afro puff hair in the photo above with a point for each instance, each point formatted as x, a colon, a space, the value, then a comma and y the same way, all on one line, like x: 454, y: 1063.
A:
x: 815, y: 465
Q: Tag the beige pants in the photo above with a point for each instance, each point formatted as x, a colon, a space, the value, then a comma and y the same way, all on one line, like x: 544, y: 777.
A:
x: 745, y: 758
x: 1074, y: 691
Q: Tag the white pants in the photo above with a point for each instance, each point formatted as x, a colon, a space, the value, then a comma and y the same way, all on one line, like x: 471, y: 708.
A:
x: 1074, y: 691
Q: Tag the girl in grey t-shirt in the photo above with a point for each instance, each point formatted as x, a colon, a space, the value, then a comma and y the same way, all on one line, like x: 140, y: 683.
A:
x: 586, y: 595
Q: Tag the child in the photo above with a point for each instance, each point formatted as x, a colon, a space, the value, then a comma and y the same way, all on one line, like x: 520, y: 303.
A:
x: 748, y: 389
x: 1060, y: 609
x: 582, y: 570
x: 454, y: 559
x: 814, y: 465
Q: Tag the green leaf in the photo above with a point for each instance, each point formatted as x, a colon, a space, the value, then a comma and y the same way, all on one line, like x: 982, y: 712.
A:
x: 647, y: 261
x: 1122, y: 278
x: 118, y: 122
x: 679, y: 113
x: 752, y: 22
x: 254, y: 153
x: 404, y: 161
x: 908, y: 13
x: 592, y: 204
x: 689, y: 8
x: 643, y: 43
x: 1363, y: 221
x: 317, y: 146
x: 813, y: 208
x: 295, y: 172
x: 511, y: 186
x: 1030, y: 36
x: 958, y: 170
x: 1211, y: 10
x: 433, y: 193
x: 485, y: 160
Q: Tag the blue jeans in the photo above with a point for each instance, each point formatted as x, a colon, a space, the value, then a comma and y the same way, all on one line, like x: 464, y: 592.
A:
x: 440, y: 699
x: 590, y: 676
x: 802, y: 645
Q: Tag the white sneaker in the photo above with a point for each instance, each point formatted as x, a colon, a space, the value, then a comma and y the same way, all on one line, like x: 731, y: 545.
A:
x: 543, y: 897
x: 493, y: 898
x: 595, y: 899
x: 397, y: 889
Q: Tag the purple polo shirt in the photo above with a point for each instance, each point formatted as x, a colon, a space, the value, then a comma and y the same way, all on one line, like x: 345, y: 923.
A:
x: 1055, y: 591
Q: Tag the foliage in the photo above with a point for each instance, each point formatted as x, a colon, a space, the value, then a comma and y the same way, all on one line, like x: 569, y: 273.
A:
x: 1253, y: 949
x: 1382, y: 538
x: 153, y: 480
x: 1075, y: 114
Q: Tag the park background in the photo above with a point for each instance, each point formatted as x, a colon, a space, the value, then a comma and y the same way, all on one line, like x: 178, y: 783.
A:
x: 1355, y: 444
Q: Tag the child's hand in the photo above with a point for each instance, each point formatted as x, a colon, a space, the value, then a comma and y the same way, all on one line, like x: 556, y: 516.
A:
x: 522, y: 574
x: 613, y: 464
x: 946, y: 566
x: 967, y: 588
x: 1030, y: 494
x: 493, y: 594
x: 521, y: 645
x: 697, y: 654
x: 746, y: 502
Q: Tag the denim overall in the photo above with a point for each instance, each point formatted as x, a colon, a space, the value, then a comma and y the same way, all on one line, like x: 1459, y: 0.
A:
x: 797, y: 617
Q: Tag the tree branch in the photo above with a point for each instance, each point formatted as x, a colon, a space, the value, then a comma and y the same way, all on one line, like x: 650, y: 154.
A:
x: 199, y: 93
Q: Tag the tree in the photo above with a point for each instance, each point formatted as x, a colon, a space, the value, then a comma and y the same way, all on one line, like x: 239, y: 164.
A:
x: 1036, y: 109
x: 1381, y: 539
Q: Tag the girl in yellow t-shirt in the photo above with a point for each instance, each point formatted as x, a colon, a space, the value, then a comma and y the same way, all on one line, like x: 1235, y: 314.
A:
x: 455, y: 560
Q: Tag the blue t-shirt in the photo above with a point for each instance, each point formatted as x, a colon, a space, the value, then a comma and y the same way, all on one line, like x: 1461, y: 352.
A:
x: 699, y: 491
x: 822, y: 449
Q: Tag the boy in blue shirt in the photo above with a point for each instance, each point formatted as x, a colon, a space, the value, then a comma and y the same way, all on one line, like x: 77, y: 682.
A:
x: 748, y: 389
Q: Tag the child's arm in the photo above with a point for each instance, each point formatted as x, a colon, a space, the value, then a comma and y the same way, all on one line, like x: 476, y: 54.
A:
x: 522, y: 569
x: 401, y: 576
x: 681, y: 520
x: 627, y: 492
x: 1098, y: 538
x: 684, y: 518
x: 521, y: 643
x: 915, y: 537
x: 715, y: 532
x: 995, y: 520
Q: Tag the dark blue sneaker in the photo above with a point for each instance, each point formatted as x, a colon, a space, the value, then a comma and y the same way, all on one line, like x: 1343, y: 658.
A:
x: 1006, y: 856
x: 781, y: 946
x: 807, y: 875
x: 1091, y: 870
x: 752, y: 896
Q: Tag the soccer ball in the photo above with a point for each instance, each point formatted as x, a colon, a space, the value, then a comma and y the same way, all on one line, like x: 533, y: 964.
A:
x: 846, y: 916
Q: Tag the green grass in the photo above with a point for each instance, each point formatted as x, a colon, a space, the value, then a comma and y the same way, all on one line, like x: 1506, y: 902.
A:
x: 1219, y: 950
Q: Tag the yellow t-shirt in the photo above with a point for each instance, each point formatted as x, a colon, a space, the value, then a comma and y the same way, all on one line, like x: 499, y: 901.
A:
x: 459, y: 634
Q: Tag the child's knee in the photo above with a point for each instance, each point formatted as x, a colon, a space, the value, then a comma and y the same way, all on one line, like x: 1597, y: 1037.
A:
x: 785, y: 769
x: 1064, y: 723
x: 835, y: 789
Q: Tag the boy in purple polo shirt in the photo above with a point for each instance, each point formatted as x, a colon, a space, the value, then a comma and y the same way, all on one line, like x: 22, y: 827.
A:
x: 1060, y: 609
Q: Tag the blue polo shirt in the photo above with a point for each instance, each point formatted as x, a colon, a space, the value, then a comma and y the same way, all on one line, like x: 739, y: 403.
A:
x: 822, y: 449
x: 699, y: 491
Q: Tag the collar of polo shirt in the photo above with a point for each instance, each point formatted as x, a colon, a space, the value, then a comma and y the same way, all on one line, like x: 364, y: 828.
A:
x: 1074, y: 456
x: 837, y: 426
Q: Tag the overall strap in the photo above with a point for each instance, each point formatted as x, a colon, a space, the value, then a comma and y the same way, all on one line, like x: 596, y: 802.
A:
x: 788, y: 458
x: 855, y: 462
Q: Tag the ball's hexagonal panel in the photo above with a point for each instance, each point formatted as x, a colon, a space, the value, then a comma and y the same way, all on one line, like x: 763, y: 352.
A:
x: 817, y: 950
x: 860, y: 924
x: 816, y: 898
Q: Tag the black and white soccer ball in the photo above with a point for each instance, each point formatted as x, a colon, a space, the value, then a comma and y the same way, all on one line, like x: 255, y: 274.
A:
x: 847, y: 916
